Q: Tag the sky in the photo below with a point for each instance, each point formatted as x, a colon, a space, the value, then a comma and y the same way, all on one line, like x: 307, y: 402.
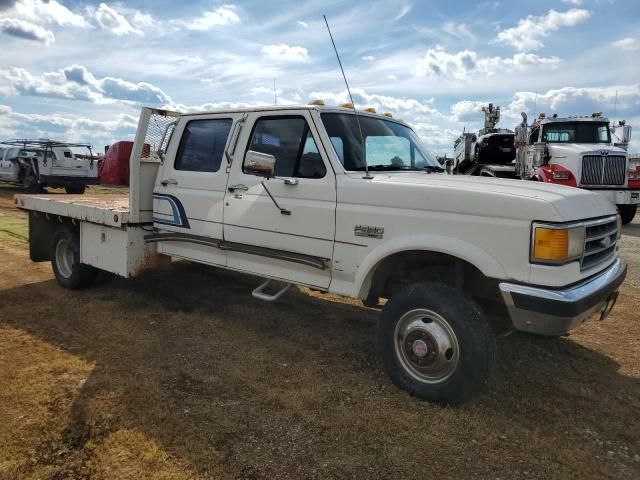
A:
x: 78, y: 71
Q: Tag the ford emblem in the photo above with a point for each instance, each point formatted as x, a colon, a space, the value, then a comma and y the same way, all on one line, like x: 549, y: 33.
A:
x: 605, y: 242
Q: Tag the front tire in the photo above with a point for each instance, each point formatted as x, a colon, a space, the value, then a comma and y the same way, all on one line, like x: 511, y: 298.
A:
x: 65, y: 260
x: 436, y: 344
x: 627, y: 212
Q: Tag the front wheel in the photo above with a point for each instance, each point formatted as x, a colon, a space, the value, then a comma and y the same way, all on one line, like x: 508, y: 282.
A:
x: 65, y: 260
x: 436, y: 344
x: 627, y: 212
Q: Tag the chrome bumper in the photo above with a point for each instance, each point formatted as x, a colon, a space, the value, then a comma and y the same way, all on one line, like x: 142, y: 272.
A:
x: 549, y: 311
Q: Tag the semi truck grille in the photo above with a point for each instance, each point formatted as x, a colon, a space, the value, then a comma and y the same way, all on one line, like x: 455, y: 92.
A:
x: 603, y: 170
x: 601, y: 237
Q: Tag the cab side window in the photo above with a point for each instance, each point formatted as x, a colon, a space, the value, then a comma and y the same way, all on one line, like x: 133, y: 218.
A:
x: 290, y: 141
x: 202, y: 145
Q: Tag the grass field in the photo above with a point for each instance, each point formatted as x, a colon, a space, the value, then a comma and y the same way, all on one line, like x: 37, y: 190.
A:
x: 181, y: 374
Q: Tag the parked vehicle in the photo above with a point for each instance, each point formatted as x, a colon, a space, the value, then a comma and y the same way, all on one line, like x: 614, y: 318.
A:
x: 115, y: 165
x: 487, y: 151
x: 579, y: 152
x: 35, y: 164
x: 575, y: 151
x: 294, y: 194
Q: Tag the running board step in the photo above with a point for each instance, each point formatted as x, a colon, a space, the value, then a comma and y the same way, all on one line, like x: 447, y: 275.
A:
x: 260, y: 294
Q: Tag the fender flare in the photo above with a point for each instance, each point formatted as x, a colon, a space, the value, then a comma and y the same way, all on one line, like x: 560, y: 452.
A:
x: 455, y: 247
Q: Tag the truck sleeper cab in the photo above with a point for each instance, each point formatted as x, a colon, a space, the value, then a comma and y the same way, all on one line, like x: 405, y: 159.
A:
x: 284, y: 193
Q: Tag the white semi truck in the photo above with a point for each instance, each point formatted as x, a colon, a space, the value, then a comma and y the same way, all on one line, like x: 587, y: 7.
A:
x: 580, y: 152
x: 294, y: 194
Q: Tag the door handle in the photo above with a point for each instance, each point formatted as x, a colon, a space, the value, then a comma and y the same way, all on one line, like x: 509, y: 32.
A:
x: 169, y: 181
x: 239, y: 187
x: 291, y: 181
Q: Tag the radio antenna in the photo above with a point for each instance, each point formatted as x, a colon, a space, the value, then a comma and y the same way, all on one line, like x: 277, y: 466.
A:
x: 275, y: 92
x: 355, y: 111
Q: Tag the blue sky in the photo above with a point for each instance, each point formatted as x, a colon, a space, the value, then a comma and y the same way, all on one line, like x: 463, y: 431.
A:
x: 80, y: 71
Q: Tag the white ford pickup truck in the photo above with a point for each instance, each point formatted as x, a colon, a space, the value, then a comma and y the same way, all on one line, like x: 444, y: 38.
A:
x: 283, y: 193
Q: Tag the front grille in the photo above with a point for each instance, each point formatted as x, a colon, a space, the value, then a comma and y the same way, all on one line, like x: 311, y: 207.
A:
x: 600, y: 242
x: 603, y: 170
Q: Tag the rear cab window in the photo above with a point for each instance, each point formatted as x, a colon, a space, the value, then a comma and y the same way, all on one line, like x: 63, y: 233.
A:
x: 202, y: 145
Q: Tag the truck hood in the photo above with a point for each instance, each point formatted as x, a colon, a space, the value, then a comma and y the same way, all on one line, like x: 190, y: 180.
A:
x: 558, y: 150
x: 485, y: 196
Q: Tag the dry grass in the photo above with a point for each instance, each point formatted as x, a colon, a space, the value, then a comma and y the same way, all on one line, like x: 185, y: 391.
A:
x: 181, y: 374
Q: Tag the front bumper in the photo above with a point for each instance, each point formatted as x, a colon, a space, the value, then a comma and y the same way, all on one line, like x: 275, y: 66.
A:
x: 553, y: 312
x: 619, y: 197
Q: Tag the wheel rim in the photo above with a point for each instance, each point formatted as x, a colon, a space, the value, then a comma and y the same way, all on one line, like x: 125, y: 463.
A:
x: 64, y: 258
x: 426, y: 346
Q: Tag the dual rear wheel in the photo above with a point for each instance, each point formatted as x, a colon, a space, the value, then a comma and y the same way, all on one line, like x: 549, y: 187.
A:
x: 65, y: 260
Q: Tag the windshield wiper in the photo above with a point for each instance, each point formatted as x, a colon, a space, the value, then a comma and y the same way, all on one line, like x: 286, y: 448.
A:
x: 433, y: 168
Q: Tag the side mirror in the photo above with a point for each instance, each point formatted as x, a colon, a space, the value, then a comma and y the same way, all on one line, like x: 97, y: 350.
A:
x: 260, y: 164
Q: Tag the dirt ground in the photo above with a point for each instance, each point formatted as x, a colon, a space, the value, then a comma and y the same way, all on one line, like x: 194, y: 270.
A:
x: 181, y: 374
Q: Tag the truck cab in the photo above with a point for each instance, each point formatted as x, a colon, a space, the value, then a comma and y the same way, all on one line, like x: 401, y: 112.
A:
x: 578, y: 152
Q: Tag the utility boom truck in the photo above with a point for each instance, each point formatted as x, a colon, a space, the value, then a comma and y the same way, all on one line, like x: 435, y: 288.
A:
x: 490, y: 152
x: 295, y: 194
x: 579, y: 152
x: 35, y: 164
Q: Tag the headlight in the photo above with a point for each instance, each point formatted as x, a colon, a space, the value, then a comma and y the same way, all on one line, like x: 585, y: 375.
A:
x: 556, y: 244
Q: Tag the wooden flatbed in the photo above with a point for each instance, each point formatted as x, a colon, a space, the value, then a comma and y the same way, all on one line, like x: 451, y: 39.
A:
x: 109, y: 210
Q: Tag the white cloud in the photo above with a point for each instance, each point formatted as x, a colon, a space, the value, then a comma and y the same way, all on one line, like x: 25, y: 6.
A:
x: 527, y: 35
x: 77, y: 83
x: 110, y: 19
x: 26, y: 30
x: 51, y: 11
x: 369, y: 58
x: 223, y: 15
x: 578, y: 101
x: 628, y: 43
x: 573, y: 2
x: 457, y: 30
x: 403, y: 12
x: 142, y: 19
x: 437, y: 62
x: 285, y: 53
x: 303, y: 24
x: 467, y: 110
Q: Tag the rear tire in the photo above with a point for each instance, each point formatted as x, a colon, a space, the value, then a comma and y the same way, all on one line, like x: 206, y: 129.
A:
x: 65, y: 260
x: 627, y: 212
x: 75, y: 189
x: 436, y: 344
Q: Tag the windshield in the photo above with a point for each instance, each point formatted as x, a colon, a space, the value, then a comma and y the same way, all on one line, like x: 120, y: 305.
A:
x: 577, y: 132
x: 388, y: 145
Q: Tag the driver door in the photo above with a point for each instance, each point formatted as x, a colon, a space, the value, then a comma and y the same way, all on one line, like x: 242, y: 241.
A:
x: 282, y: 227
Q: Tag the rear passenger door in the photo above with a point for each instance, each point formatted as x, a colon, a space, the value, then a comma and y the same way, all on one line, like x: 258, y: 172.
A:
x: 190, y: 189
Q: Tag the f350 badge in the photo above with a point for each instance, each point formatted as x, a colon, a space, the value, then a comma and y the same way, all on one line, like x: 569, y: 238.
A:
x: 368, y: 231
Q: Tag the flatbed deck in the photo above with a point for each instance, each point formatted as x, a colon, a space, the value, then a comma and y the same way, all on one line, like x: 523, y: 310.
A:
x: 110, y: 210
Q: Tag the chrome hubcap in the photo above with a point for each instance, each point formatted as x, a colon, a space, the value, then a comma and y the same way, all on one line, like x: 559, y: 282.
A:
x: 426, y: 346
x: 64, y: 258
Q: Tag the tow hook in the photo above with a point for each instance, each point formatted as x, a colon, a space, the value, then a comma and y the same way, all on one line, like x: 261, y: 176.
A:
x: 608, y: 305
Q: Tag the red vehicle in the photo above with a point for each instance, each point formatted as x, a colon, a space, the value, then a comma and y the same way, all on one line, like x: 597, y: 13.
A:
x: 115, y: 166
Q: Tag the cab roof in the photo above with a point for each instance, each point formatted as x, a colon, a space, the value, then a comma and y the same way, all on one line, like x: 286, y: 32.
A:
x: 589, y: 119
x: 284, y: 108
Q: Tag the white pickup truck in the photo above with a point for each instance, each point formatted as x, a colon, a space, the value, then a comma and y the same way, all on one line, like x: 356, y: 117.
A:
x: 282, y: 193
